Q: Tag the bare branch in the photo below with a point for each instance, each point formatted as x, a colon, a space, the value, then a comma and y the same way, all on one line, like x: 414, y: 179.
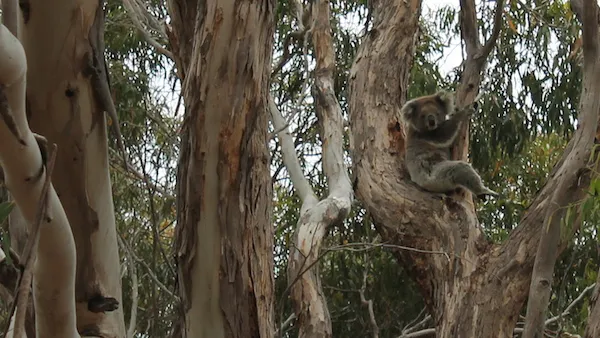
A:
x: 421, y: 333
x: 29, y: 254
x: 149, y: 270
x: 575, y: 301
x: 134, y: 288
x: 491, y: 42
x: 290, y: 159
x: 590, y: 32
x: 285, y: 324
x: 468, y: 26
x: 135, y: 12
x: 368, y: 303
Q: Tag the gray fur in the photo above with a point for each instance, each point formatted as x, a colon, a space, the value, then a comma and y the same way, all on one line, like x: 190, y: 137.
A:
x: 429, y: 136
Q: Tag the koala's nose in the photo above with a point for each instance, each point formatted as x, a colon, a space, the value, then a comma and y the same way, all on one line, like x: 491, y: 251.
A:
x: 431, y: 121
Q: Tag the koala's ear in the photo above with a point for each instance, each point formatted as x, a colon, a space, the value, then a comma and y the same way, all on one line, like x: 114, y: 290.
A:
x: 445, y: 97
x: 409, y: 110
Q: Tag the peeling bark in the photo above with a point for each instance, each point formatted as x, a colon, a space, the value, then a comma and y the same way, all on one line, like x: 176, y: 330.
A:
x: 63, y: 106
x: 224, y: 236
x: 478, y: 288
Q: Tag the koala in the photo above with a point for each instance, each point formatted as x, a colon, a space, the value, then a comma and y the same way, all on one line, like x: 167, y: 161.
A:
x: 431, y: 125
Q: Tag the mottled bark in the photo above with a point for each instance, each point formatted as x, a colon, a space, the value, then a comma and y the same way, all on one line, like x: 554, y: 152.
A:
x: 224, y: 237
x: 65, y: 105
x: 477, y: 288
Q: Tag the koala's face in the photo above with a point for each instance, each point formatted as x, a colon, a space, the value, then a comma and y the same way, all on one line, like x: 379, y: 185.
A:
x: 429, y: 116
x: 427, y: 112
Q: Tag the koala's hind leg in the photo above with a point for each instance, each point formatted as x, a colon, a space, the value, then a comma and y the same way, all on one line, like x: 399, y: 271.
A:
x: 460, y: 173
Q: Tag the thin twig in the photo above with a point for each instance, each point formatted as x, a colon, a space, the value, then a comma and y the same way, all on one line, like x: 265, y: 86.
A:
x: 368, y: 303
x: 134, y: 289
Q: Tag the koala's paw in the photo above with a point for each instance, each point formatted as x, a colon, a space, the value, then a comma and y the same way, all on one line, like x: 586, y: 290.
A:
x: 487, y: 193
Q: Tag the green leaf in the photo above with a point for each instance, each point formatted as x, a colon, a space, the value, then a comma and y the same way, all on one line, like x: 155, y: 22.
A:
x: 5, y: 209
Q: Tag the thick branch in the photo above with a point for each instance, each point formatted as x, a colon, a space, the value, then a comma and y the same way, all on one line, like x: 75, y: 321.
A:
x: 309, y: 302
x: 54, y: 271
x: 468, y: 26
x: 491, y: 41
x: 568, y: 178
x: 290, y: 159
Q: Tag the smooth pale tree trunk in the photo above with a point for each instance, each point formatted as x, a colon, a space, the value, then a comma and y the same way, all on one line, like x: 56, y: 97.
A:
x: 62, y: 40
x: 474, y: 288
x: 224, y: 239
x: 53, y: 272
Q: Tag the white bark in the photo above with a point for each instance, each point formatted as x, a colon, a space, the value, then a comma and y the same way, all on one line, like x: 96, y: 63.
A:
x: 316, y: 216
x: 66, y: 107
x: 54, y: 269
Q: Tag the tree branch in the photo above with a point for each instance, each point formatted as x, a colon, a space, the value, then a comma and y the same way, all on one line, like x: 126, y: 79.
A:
x: 135, y: 13
x: 567, y: 181
x: 55, y: 266
x: 310, y: 306
x: 468, y: 26
x: 290, y: 159
x: 368, y: 303
x: 491, y: 41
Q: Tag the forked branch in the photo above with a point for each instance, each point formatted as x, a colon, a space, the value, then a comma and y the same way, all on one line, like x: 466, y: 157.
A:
x: 316, y: 216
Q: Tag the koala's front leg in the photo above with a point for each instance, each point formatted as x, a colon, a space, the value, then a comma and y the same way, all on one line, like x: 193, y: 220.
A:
x: 446, y: 133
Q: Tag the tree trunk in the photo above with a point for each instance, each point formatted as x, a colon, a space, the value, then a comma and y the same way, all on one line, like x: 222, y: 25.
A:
x: 474, y: 288
x: 64, y: 57
x: 224, y: 238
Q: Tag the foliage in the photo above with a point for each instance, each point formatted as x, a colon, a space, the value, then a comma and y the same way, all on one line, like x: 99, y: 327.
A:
x: 528, y: 111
